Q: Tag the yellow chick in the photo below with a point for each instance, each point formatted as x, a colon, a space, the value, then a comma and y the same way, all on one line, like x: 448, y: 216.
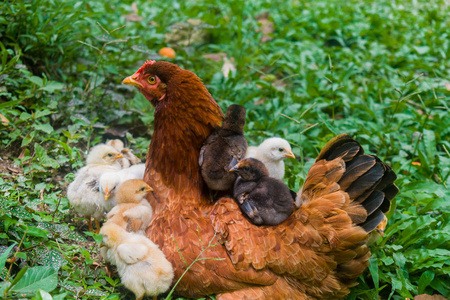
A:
x: 272, y: 152
x: 110, y: 181
x: 128, y: 158
x: 83, y: 193
x: 142, y: 266
x: 132, y: 212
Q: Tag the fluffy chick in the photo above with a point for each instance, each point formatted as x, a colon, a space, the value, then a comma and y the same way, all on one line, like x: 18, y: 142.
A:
x: 128, y: 158
x: 223, y: 149
x: 132, y: 212
x: 272, y: 152
x: 82, y: 192
x: 110, y: 181
x: 141, y: 265
x: 265, y: 200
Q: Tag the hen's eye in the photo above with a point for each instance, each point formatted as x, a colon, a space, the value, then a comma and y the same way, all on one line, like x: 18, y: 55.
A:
x: 246, y: 169
x: 151, y: 80
x: 280, y: 149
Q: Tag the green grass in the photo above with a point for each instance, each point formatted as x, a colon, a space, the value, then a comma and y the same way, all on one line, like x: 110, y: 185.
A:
x: 377, y: 70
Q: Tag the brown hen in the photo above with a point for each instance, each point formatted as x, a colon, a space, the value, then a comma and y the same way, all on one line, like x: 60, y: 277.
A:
x: 316, y: 253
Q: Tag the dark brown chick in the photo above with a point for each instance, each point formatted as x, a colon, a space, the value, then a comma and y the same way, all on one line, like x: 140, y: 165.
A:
x: 223, y: 149
x: 265, y: 200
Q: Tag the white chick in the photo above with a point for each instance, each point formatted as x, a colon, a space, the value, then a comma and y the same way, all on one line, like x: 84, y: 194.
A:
x: 141, y: 265
x: 82, y: 192
x: 128, y: 157
x: 272, y: 152
x: 110, y: 181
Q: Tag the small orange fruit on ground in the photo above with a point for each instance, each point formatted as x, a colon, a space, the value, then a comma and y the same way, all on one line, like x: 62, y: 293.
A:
x: 167, y: 52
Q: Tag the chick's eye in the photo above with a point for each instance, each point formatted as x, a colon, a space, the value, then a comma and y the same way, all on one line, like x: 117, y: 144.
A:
x: 151, y: 79
x: 109, y: 154
x: 142, y: 189
x: 280, y: 149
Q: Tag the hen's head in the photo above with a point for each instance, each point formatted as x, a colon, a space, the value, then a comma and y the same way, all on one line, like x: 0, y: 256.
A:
x: 250, y: 169
x: 153, y: 78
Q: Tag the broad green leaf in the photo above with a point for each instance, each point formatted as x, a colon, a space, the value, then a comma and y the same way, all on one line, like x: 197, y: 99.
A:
x: 95, y: 292
x: 25, y: 116
x: 50, y: 257
x: 425, y: 280
x: 36, y: 80
x: 47, y: 128
x: 429, y: 141
x: 41, y: 113
x: 373, y: 268
x: 52, y: 86
x: 34, y: 231
x: 45, y: 278
x: 43, y: 295
x: 4, y: 256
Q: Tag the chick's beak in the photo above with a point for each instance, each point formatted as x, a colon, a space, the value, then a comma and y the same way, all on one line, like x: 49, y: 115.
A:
x: 234, y: 169
x: 119, y: 155
x: 107, y: 193
x: 149, y: 189
x: 290, y: 154
x: 132, y: 80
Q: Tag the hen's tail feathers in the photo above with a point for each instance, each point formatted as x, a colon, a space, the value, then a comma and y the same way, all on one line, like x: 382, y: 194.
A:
x: 366, y: 179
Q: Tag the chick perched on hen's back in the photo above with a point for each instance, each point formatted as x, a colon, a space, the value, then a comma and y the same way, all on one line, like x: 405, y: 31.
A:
x: 272, y: 152
x: 110, y: 181
x: 223, y: 149
x: 141, y: 265
x: 128, y: 158
x: 82, y: 194
x: 265, y: 200
x: 132, y: 212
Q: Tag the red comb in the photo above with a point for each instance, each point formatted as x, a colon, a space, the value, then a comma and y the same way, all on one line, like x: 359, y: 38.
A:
x: 147, y: 63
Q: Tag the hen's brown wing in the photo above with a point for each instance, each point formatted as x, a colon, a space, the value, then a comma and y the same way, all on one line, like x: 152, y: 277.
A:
x: 319, y: 250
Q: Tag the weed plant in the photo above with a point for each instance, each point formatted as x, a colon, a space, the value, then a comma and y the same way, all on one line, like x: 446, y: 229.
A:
x: 305, y: 71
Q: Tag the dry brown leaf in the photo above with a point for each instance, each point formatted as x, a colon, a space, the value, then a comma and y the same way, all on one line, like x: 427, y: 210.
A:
x: 13, y: 170
x: 215, y: 56
x: 429, y: 297
x: 133, y: 18
x: 4, y: 120
x: 267, y: 28
x: 228, y: 66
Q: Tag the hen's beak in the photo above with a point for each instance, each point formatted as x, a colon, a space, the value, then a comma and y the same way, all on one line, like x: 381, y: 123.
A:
x: 290, y: 154
x: 107, y: 193
x: 132, y: 80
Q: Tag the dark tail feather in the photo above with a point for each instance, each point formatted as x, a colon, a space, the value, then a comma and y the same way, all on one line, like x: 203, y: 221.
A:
x: 373, y: 202
x: 372, y: 221
x: 366, y: 179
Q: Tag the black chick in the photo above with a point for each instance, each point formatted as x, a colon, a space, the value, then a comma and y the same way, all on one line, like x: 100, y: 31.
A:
x: 265, y: 200
x: 223, y: 149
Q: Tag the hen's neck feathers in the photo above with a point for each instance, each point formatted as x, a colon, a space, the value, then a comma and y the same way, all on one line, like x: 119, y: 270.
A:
x: 182, y: 123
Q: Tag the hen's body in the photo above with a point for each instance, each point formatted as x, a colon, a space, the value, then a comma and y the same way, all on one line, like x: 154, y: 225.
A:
x: 317, y: 252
